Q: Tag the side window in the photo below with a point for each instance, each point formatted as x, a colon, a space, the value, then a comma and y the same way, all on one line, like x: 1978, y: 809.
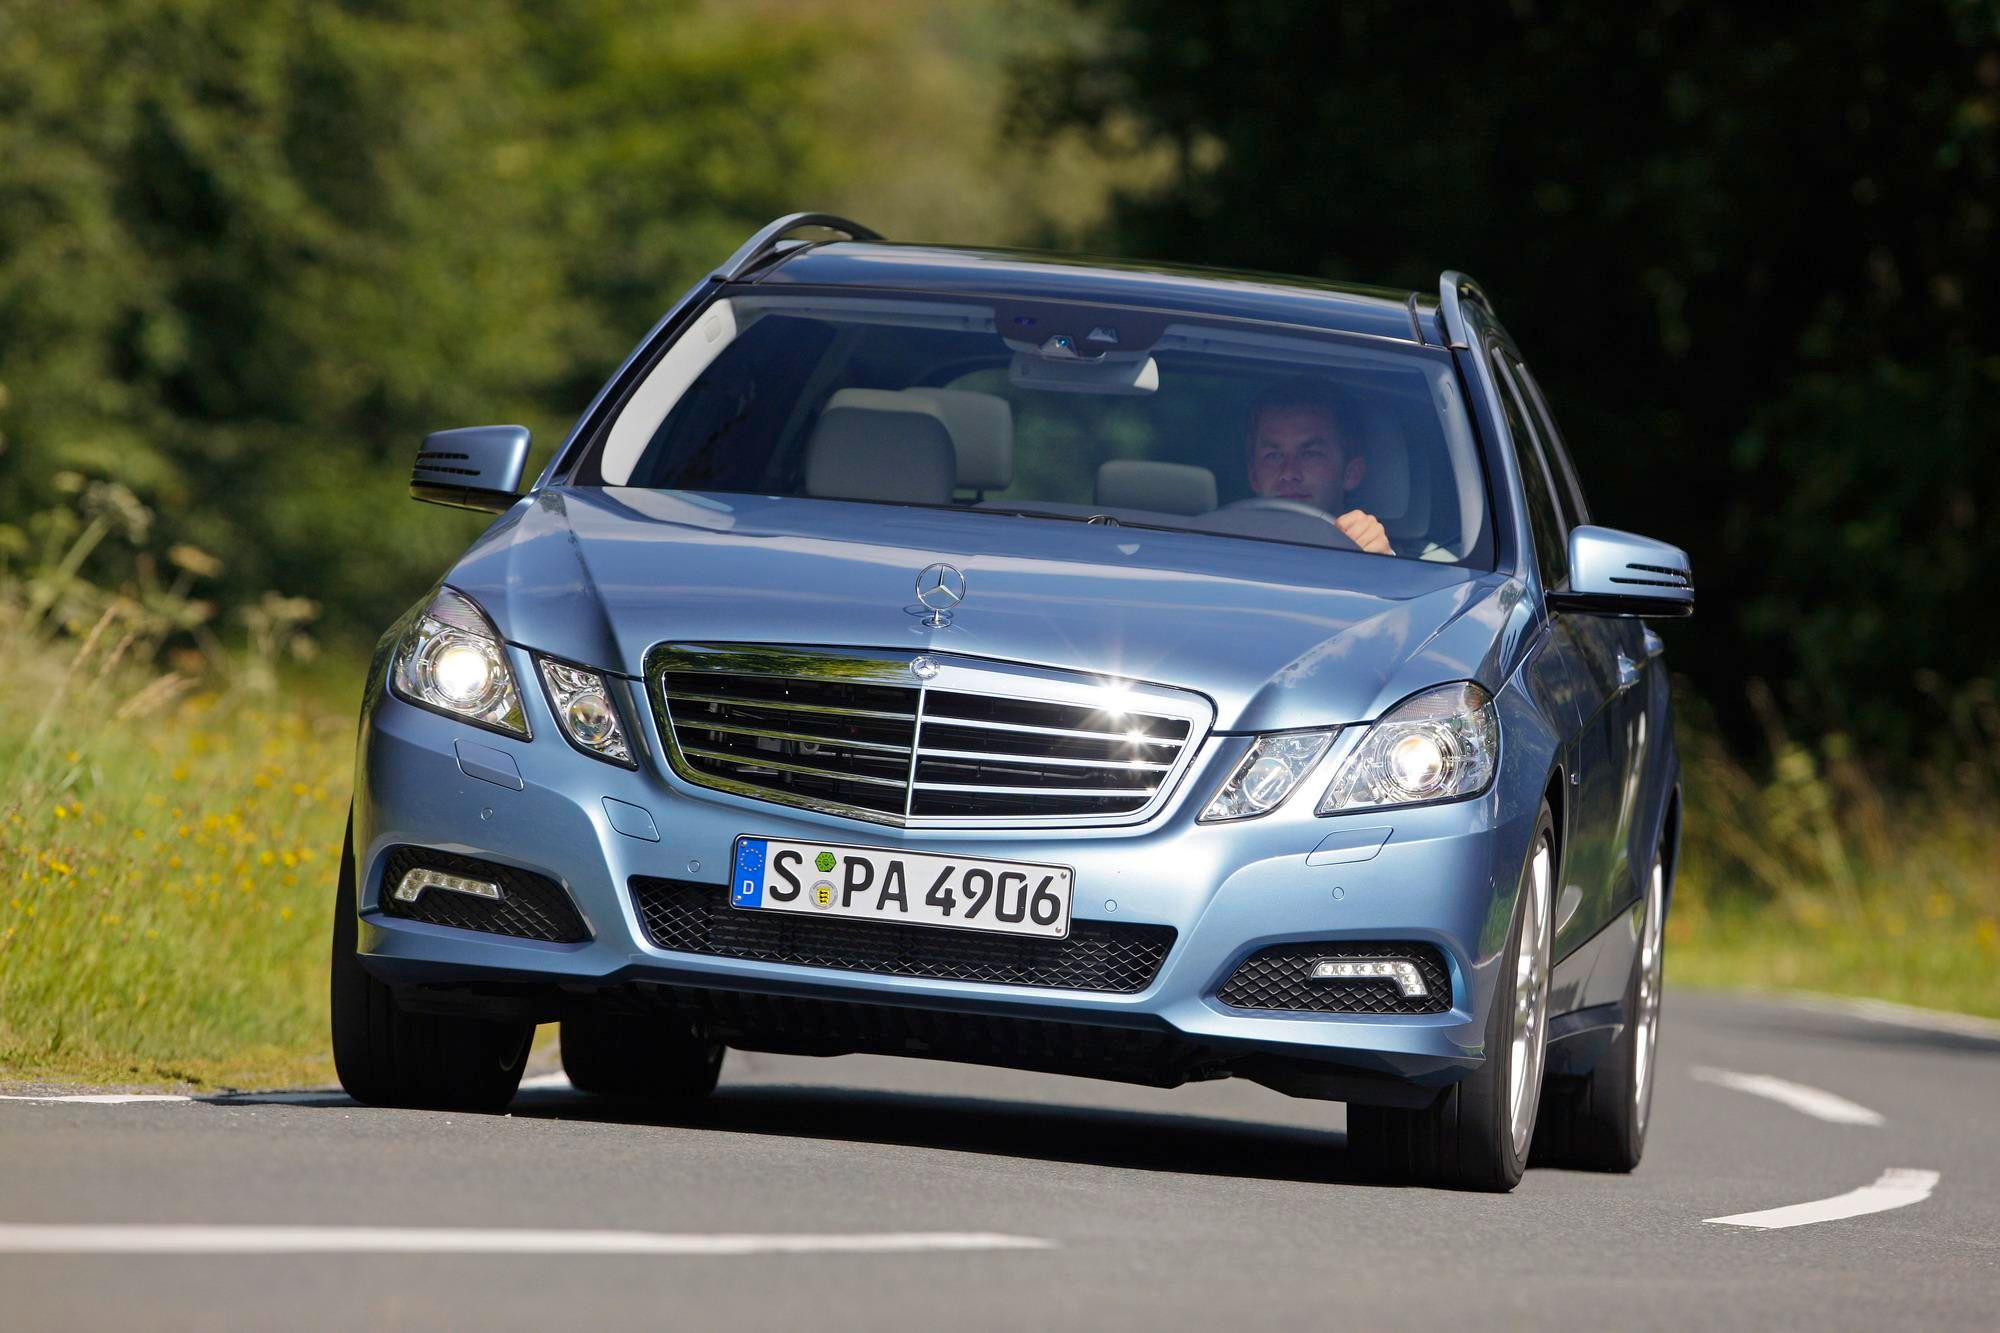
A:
x: 1565, y: 470
x: 1544, y: 514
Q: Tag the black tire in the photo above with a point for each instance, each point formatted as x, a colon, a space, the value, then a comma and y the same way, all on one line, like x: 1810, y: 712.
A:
x: 1598, y: 1122
x: 647, y: 1057
x: 1465, y: 1138
x: 387, y: 1056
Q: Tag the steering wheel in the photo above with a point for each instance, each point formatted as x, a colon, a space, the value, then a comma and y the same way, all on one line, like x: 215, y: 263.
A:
x: 1275, y: 505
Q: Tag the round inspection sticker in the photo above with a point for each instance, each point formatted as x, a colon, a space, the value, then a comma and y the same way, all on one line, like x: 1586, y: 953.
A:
x: 824, y: 863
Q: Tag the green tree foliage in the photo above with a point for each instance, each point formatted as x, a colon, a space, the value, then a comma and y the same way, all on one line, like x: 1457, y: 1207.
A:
x: 1749, y: 249
x: 250, y: 251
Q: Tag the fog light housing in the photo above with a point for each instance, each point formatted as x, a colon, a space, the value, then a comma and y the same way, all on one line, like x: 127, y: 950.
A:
x: 1399, y: 970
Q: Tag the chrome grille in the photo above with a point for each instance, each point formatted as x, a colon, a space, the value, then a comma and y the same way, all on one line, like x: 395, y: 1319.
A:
x: 857, y: 733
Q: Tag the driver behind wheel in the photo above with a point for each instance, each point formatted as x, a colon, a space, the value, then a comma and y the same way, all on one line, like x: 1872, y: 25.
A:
x: 1304, y: 447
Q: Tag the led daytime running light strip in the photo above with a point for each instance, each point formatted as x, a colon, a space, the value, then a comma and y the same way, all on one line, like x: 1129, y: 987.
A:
x: 1399, y: 970
x: 416, y: 881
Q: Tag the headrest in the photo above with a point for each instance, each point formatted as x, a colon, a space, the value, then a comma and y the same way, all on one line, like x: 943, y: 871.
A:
x: 982, y: 434
x: 871, y: 444
x: 1164, y: 488
x: 1395, y: 488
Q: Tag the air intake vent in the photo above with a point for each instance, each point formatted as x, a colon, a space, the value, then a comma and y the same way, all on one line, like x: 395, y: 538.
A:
x: 530, y: 906
x: 1096, y: 956
x: 1281, y: 978
x: 970, y: 744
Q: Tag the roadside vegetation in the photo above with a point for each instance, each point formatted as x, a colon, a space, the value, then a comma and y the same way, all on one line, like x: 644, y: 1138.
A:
x: 170, y: 816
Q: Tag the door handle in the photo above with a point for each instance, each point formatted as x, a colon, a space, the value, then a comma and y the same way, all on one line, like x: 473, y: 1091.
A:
x: 1628, y: 673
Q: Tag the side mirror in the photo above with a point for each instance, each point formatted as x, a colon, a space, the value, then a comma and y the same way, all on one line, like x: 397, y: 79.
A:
x: 478, y: 467
x: 1614, y: 573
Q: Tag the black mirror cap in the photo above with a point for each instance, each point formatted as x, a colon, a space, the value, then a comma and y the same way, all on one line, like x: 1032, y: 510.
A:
x: 475, y: 467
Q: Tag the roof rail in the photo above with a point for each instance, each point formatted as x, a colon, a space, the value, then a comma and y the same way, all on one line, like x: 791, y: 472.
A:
x: 1453, y: 287
x: 765, y: 243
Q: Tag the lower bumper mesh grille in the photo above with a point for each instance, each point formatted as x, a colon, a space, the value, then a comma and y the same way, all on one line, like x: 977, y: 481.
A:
x: 1280, y: 978
x: 534, y: 907
x: 1097, y: 956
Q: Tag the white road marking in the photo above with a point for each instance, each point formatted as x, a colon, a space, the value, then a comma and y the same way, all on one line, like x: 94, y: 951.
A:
x: 1809, y: 1101
x: 557, y: 1081
x: 1899, y: 1187
x: 95, y: 1098
x: 301, y: 1097
x: 1899, y: 1015
x: 25, y: 1239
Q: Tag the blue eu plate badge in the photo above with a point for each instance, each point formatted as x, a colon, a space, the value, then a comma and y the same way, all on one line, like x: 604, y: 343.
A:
x: 747, y: 882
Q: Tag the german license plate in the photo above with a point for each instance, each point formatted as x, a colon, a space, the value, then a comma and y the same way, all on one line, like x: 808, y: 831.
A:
x: 917, y: 888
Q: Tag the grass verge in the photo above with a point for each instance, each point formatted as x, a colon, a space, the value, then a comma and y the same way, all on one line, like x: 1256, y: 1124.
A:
x: 167, y: 854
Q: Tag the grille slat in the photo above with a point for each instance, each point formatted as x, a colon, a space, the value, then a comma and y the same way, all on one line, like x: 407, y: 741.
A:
x: 1097, y: 956
x: 809, y: 738
x: 1044, y: 760
x: 860, y: 734
x: 784, y: 705
x: 753, y: 762
x: 1034, y: 791
x: 1072, y: 733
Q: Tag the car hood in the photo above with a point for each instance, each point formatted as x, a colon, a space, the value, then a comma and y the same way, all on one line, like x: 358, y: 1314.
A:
x: 1276, y: 635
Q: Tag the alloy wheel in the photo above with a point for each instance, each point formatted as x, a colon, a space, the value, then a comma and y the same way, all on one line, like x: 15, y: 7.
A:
x: 1651, y: 935
x: 1531, y: 1000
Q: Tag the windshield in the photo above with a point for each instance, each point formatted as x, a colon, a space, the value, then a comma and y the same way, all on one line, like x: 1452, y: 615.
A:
x: 1064, y: 412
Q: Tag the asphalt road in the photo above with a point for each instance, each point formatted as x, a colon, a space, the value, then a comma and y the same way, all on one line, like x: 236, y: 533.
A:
x: 1219, y: 1206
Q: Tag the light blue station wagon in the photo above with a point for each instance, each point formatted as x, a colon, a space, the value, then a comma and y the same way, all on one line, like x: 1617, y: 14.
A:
x: 1112, y: 669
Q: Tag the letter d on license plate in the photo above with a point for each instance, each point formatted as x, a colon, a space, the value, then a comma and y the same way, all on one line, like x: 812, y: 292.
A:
x: 915, y: 888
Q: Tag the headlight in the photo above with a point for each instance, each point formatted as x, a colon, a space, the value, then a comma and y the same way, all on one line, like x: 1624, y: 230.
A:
x: 1267, y: 774
x: 452, y: 662
x: 583, y: 706
x: 1441, y: 745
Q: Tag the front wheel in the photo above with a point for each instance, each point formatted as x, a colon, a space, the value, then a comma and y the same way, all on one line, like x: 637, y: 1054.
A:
x: 388, y: 1056
x: 1476, y: 1134
x: 1598, y: 1123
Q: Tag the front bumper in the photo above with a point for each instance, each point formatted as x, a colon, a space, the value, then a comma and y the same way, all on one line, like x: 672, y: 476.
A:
x: 1445, y: 876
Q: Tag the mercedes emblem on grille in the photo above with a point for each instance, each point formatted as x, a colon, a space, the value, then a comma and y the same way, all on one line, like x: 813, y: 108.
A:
x: 923, y: 668
x: 939, y: 589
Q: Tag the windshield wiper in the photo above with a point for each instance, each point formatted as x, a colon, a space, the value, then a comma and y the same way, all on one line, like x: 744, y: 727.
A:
x: 1098, y: 520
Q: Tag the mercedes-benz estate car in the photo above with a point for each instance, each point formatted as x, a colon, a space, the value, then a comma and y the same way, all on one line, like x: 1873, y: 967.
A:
x: 1108, y: 668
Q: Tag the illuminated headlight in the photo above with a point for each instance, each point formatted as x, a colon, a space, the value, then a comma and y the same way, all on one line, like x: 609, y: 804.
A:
x: 451, y: 661
x: 583, y: 706
x: 1274, y: 766
x: 1441, y: 745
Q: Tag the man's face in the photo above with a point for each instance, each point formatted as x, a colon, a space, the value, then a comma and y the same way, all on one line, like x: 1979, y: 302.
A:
x: 1295, y: 455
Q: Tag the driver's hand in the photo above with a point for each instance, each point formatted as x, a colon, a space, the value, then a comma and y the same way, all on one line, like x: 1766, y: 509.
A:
x: 1365, y: 531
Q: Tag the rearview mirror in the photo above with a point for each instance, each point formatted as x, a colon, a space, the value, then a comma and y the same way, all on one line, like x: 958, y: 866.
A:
x: 1614, y: 573
x: 477, y: 467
